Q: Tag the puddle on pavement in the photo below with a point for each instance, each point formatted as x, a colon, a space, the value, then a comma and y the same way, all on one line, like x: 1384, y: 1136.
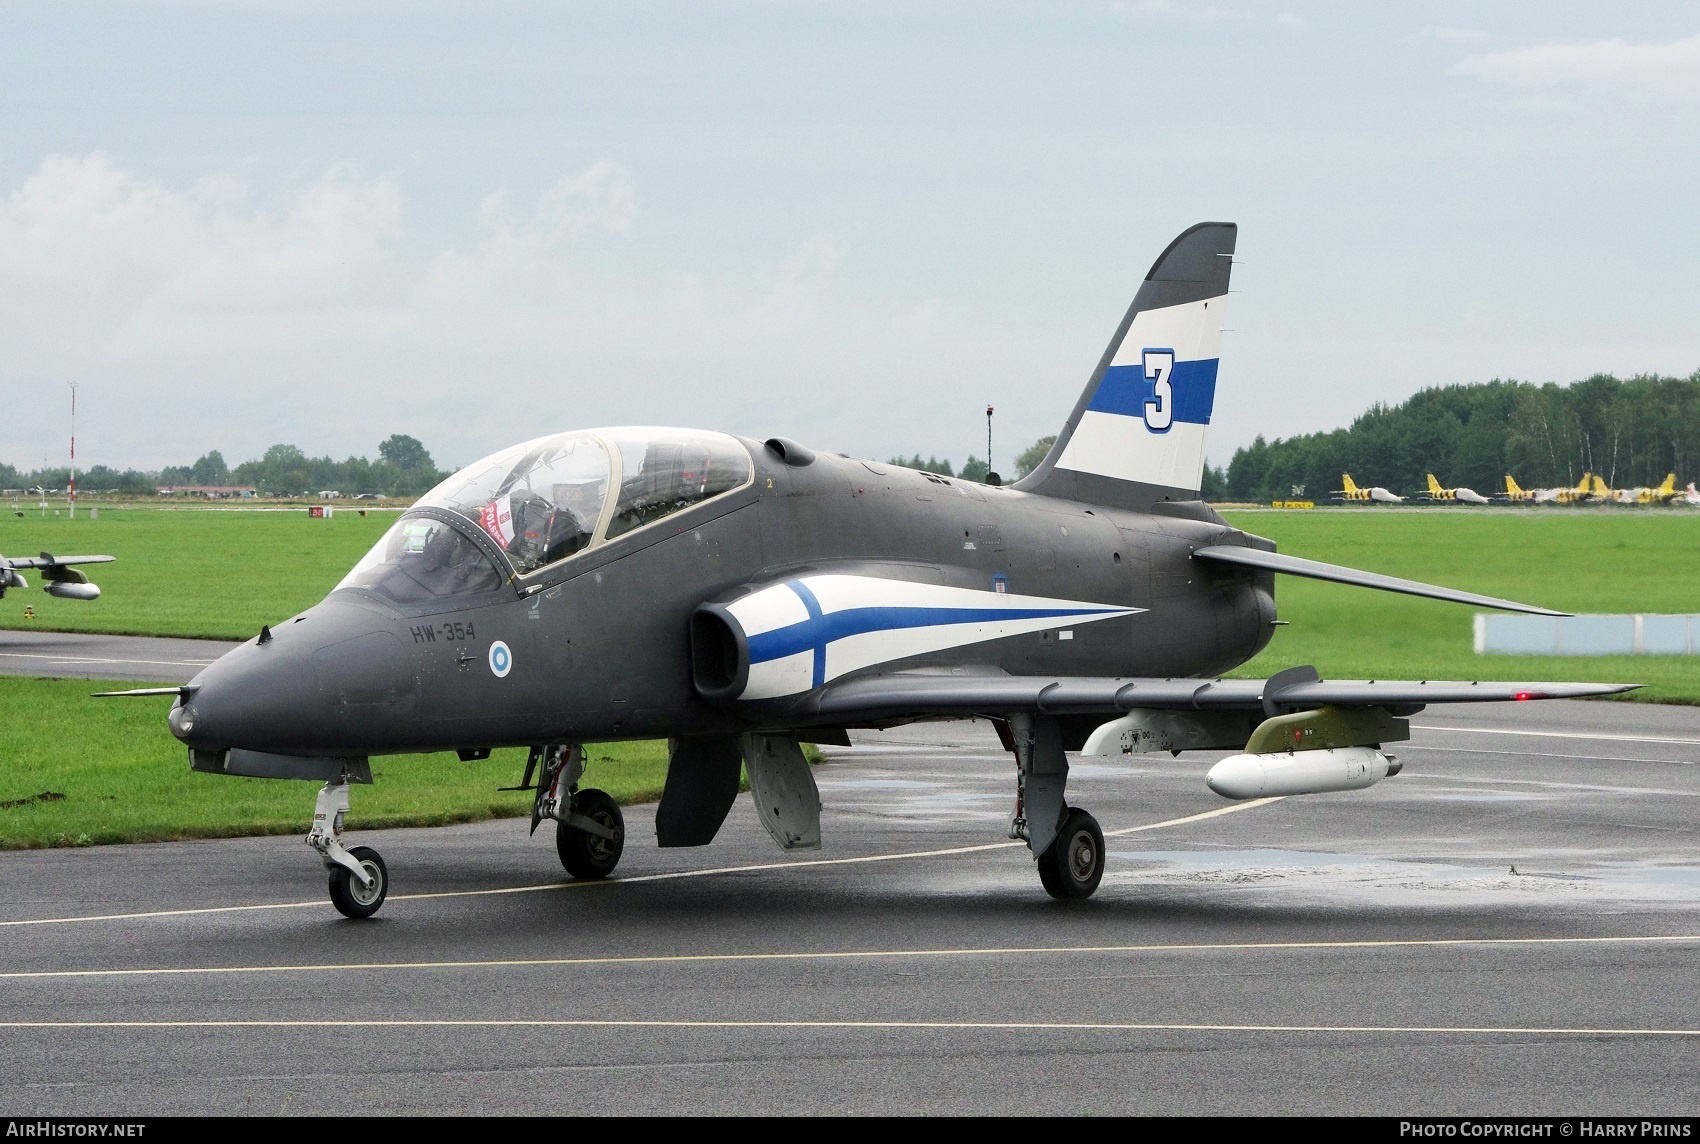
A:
x: 1357, y: 876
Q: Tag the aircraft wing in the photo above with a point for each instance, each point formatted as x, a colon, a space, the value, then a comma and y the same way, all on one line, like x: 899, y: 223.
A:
x: 48, y: 560
x: 901, y: 694
x: 1317, y: 570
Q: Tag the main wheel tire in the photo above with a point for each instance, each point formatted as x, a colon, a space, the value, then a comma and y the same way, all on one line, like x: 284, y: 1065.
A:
x: 584, y: 854
x: 1073, y: 865
x: 352, y: 899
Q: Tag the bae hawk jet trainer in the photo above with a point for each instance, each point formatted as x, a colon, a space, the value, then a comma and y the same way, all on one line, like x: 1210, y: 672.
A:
x: 739, y: 597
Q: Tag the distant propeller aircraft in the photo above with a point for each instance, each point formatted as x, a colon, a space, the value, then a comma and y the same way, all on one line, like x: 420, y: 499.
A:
x: 740, y: 597
x: 58, y: 576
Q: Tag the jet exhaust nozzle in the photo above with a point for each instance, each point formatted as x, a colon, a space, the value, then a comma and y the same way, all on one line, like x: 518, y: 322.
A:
x: 1300, y: 772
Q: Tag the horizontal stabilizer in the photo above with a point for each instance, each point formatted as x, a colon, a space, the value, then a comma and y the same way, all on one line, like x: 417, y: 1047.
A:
x: 907, y: 694
x: 1317, y: 570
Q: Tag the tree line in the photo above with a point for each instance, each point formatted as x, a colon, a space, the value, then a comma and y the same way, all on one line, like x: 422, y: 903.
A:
x: 404, y: 468
x: 1628, y: 432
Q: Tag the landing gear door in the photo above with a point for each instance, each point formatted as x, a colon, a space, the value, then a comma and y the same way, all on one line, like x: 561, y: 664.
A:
x: 784, y: 790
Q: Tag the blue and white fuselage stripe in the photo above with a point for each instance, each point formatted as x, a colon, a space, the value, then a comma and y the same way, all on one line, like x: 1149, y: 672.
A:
x: 1147, y: 418
x: 806, y: 632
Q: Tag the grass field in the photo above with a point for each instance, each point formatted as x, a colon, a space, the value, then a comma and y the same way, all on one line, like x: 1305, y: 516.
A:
x: 123, y: 778
x: 214, y: 573
x: 1582, y: 561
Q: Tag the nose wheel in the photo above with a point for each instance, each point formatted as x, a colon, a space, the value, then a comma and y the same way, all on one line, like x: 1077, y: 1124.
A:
x: 352, y: 898
x: 359, y: 880
x: 1071, y: 867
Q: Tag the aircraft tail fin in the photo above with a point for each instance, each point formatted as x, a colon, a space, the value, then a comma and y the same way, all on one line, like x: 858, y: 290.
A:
x: 1349, y: 485
x: 1668, y: 486
x: 1512, y: 489
x: 1136, y: 435
x: 1434, y: 487
x: 1601, y: 489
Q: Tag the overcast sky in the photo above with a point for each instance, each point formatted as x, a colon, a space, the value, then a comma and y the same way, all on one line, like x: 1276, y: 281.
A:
x: 237, y: 224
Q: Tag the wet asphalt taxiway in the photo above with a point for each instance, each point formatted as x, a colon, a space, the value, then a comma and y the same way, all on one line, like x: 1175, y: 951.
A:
x: 80, y: 655
x: 1370, y: 952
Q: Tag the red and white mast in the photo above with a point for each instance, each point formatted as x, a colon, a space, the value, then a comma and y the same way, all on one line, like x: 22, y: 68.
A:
x: 73, y: 386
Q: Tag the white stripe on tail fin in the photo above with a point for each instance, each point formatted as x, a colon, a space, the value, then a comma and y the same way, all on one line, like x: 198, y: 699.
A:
x: 1137, y: 432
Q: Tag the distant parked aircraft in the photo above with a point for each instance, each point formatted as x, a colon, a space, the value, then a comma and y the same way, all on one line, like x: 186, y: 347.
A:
x: 1583, y: 493
x: 1662, y: 493
x: 1353, y: 494
x: 1516, y: 494
x: 1439, y: 495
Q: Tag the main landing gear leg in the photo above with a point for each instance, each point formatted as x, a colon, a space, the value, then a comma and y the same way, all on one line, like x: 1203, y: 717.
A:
x: 590, y: 832
x: 1065, y: 840
x: 359, y: 881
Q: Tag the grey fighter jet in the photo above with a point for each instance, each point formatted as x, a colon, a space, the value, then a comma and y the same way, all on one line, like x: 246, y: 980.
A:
x: 58, y: 576
x: 739, y: 597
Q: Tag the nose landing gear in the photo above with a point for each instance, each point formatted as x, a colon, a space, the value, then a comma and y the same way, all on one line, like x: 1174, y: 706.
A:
x: 359, y: 881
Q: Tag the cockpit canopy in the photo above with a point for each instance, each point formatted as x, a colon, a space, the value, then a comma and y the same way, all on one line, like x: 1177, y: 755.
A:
x: 548, y: 499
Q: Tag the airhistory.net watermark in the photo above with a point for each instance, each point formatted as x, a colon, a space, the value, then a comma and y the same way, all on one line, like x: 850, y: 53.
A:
x: 41, y: 1129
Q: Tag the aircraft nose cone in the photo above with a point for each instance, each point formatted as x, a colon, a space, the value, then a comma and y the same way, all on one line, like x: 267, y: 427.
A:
x: 323, y: 685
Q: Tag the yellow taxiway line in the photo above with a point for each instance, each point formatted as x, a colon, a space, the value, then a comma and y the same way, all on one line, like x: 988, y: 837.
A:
x: 967, y: 1026
x: 869, y: 955
x: 750, y: 869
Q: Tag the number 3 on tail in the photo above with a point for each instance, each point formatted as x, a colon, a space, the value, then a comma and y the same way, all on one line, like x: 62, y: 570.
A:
x: 1160, y: 407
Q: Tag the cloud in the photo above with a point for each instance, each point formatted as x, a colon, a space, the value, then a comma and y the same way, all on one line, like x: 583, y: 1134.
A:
x: 96, y: 254
x: 523, y: 248
x: 224, y: 302
x: 602, y: 197
x: 223, y: 313
x: 1672, y: 68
